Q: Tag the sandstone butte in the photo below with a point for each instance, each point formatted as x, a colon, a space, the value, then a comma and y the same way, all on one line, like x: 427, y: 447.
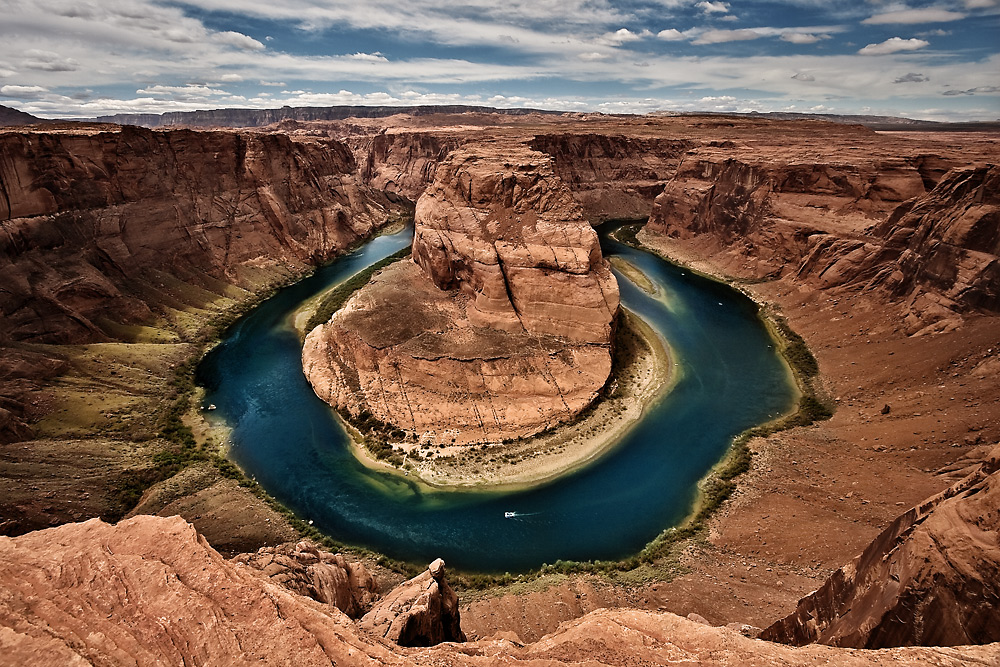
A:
x: 499, y: 327
x: 119, y: 244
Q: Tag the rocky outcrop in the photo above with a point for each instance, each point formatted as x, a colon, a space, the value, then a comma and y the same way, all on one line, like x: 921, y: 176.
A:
x: 728, y: 199
x: 501, y: 325
x: 99, y: 225
x: 402, y: 163
x: 150, y: 591
x: 307, y: 570
x: 613, y: 176
x: 939, y: 253
x: 420, y: 612
x: 9, y: 116
x: 931, y: 578
x: 868, y: 227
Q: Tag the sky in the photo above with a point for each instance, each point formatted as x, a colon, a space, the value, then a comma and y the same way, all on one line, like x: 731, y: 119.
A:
x: 937, y: 60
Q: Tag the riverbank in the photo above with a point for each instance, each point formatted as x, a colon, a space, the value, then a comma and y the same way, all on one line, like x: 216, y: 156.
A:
x: 642, y: 372
x: 813, y: 497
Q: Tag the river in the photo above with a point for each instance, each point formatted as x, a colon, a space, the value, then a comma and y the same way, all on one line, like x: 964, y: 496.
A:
x: 730, y: 377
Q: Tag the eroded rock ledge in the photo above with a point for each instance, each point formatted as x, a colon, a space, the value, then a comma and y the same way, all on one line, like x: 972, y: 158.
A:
x: 500, y: 326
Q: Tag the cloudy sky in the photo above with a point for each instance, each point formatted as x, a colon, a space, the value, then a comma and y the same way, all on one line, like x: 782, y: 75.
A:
x: 937, y: 60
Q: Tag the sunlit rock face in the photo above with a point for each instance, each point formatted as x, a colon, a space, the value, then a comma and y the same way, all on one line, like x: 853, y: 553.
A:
x: 498, y: 328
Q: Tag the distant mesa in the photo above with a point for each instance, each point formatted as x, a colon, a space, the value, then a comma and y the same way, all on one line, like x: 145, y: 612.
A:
x: 9, y: 116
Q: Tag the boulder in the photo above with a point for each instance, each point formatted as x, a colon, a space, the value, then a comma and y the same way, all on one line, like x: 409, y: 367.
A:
x: 420, y: 612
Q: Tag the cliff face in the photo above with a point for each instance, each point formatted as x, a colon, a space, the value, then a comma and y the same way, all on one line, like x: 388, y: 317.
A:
x: 931, y: 578
x: 402, y: 163
x: 613, y: 176
x: 91, y: 220
x: 869, y: 228
x: 151, y: 591
x: 939, y: 254
x: 502, y: 326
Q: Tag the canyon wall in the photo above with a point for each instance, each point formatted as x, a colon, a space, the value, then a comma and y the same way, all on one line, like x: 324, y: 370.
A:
x: 871, y: 227
x: 151, y: 591
x: 932, y: 578
x: 105, y: 229
x: 402, y: 163
x: 93, y: 221
x: 613, y: 176
x: 498, y: 328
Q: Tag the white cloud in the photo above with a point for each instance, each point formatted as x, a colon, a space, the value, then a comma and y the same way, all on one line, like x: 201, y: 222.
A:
x: 802, y: 37
x: 720, y: 36
x: 237, y: 39
x: 981, y: 4
x: 718, y: 7
x: 592, y: 56
x: 231, y: 78
x: 47, y: 61
x: 368, y: 57
x: 620, y: 37
x: 893, y: 45
x: 190, y: 91
x: 802, y: 76
x: 671, y: 35
x: 908, y: 16
x: 25, y: 92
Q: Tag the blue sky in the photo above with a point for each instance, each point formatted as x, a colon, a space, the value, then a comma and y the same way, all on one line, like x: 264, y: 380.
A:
x: 936, y: 60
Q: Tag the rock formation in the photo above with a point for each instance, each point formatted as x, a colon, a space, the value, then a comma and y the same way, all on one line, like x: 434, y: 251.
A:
x: 931, y: 578
x: 939, y: 253
x: 151, y: 591
x: 92, y: 220
x: 328, y: 578
x: 501, y: 325
x: 420, y: 612
x: 613, y: 176
x: 402, y: 163
x: 105, y: 228
x: 935, y: 252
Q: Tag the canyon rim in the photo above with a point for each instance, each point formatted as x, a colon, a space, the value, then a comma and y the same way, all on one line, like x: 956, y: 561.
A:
x: 125, y: 248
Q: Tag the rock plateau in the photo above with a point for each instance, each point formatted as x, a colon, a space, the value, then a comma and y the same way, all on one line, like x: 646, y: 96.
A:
x: 499, y: 327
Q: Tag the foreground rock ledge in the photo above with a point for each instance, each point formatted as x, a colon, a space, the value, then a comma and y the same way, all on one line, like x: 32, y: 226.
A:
x: 151, y: 591
x: 500, y: 326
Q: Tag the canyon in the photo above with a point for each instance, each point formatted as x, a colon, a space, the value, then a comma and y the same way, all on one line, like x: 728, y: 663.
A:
x: 121, y: 245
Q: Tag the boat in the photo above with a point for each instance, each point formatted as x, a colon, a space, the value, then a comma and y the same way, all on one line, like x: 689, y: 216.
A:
x: 509, y: 515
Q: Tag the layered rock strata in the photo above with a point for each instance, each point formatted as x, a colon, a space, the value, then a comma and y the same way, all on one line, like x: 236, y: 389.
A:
x: 99, y: 224
x: 151, y: 591
x: 498, y: 328
x: 931, y: 578
x: 874, y: 229
x: 613, y: 176
x: 420, y: 612
x: 103, y: 229
x: 316, y: 574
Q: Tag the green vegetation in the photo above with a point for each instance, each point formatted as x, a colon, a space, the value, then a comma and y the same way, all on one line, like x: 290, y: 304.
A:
x: 339, y: 295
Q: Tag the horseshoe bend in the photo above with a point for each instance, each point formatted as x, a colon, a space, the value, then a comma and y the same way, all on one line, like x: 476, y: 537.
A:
x: 866, y: 520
